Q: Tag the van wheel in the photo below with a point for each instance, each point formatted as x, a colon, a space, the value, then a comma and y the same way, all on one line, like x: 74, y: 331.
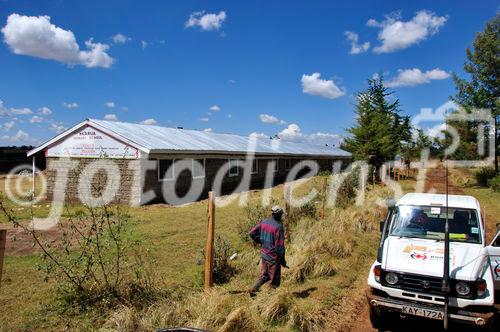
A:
x: 492, y: 324
x: 379, y: 319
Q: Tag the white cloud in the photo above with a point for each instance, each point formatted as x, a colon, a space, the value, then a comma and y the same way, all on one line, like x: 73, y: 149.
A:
x: 396, y: 35
x: 110, y: 104
x: 294, y: 133
x: 208, y: 130
x: 437, y: 131
x: 215, y: 108
x: 20, y: 111
x: 8, y: 125
x: 120, y: 38
x: 229, y: 116
x: 70, y: 105
x: 290, y: 132
x: 57, y: 127
x: 413, y: 77
x: 149, y: 122
x: 314, y: 85
x: 204, y: 119
x: 111, y: 117
x: 355, y: 47
x: 144, y: 44
x: 266, y: 118
x: 44, y: 111
x: 124, y: 108
x: 37, y: 37
x: 36, y: 119
x: 259, y: 135
x: 206, y: 22
x: 19, y: 138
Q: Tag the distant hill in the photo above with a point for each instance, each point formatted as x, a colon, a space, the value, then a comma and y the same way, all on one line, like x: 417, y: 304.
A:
x: 12, y: 156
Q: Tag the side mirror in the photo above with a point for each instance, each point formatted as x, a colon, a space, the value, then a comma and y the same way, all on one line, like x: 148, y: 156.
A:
x: 382, y: 226
x: 391, y: 202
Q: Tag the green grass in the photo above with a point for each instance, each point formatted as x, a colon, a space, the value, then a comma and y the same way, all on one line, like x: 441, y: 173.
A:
x: 175, y: 236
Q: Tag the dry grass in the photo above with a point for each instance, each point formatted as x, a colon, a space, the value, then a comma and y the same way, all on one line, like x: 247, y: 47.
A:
x: 239, y: 319
x: 326, y: 258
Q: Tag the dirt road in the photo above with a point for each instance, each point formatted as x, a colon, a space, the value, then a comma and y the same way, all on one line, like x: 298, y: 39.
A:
x: 435, y: 182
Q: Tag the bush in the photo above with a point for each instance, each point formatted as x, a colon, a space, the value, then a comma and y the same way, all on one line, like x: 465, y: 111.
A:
x: 97, y: 262
x: 484, y: 175
x: 308, y: 210
x: 222, y: 270
x: 494, y: 183
x: 254, y: 214
x: 347, y: 191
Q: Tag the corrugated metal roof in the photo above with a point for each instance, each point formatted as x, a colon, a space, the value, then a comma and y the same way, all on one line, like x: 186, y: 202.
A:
x: 157, y: 139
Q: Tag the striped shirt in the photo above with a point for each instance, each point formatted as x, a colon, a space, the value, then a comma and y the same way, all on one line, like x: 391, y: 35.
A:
x: 269, y: 233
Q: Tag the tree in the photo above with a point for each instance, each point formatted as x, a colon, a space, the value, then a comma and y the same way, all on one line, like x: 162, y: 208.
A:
x: 381, y: 131
x: 481, y: 88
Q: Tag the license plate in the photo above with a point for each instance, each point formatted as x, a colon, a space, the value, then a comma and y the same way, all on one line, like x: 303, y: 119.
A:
x: 427, y: 313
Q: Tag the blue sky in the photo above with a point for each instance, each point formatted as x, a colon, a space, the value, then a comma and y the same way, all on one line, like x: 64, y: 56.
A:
x: 270, y: 67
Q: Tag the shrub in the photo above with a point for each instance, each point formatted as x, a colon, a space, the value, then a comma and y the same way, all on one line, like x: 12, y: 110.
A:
x: 484, y: 175
x: 222, y: 270
x: 494, y: 183
x: 347, y: 191
x: 308, y: 210
x: 254, y: 214
x: 97, y: 262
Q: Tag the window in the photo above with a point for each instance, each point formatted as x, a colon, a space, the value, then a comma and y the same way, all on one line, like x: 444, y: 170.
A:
x: 427, y: 222
x: 233, y: 167
x: 275, y: 165
x: 165, y: 169
x: 255, y: 166
x: 198, y: 170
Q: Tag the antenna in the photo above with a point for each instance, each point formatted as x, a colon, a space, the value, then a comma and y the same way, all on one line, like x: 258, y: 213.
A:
x: 446, y: 268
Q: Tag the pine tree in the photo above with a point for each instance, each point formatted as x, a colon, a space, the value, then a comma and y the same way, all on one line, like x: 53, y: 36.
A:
x: 481, y: 89
x: 380, y: 132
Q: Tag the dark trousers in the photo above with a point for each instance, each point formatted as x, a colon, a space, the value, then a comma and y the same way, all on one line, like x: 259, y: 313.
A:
x: 268, y: 272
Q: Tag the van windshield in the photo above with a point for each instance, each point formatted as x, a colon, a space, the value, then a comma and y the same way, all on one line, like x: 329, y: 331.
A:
x: 427, y: 222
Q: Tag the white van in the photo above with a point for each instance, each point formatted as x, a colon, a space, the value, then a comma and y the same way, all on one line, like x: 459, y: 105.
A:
x: 407, y: 277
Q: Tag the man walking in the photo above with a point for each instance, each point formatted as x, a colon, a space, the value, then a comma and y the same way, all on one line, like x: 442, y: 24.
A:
x: 270, y: 236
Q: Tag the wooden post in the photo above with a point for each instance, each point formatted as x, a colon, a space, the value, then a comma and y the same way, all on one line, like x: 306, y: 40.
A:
x: 287, y: 213
x: 33, y: 178
x: 374, y: 177
x: 323, y: 203
x: 3, y: 239
x: 209, y: 251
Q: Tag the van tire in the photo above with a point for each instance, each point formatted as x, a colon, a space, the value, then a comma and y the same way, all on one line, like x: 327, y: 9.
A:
x: 378, y: 318
x: 492, y: 324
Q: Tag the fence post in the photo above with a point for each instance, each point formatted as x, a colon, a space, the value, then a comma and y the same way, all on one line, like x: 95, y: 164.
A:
x: 374, y: 177
x: 209, y: 254
x: 3, y: 239
x: 323, y: 203
x: 287, y: 197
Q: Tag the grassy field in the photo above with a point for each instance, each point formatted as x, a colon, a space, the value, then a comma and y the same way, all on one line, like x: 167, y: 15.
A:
x: 333, y: 255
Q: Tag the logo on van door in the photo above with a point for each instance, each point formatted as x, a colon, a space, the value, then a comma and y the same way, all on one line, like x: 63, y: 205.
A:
x: 416, y: 255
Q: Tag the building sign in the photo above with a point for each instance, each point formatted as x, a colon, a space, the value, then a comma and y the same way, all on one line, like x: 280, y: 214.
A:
x: 92, y: 143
